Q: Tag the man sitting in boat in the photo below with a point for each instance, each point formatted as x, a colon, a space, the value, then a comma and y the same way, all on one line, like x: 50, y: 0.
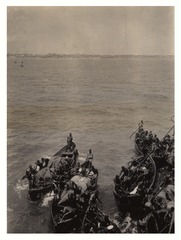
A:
x: 166, y: 140
x: 140, y: 137
x: 133, y: 167
x: 29, y: 173
x: 39, y: 164
x: 123, y: 173
x: 167, y: 143
x: 150, y: 137
x: 43, y: 162
x: 156, y: 139
x: 70, y: 147
x: 145, y: 138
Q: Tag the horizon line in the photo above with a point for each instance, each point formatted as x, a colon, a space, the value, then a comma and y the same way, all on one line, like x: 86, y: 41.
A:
x: 84, y: 54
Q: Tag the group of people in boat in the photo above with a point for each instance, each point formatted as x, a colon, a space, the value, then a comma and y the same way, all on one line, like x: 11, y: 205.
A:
x: 95, y: 221
x: 53, y: 173
x: 82, y: 213
x: 135, y: 178
x: 72, y: 197
x: 83, y: 176
x: 35, y: 168
x: 155, y: 213
x: 61, y: 169
x: 158, y: 211
x: 147, y: 141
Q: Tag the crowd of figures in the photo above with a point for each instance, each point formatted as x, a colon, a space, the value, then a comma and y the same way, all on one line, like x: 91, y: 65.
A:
x: 144, y: 189
x: 73, y: 186
x: 45, y: 174
x: 146, y: 141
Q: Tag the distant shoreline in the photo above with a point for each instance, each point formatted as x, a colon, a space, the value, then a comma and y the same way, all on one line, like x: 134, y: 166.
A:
x: 26, y: 55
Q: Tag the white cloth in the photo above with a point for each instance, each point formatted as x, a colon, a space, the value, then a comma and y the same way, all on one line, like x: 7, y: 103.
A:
x: 134, y: 191
x: 82, y: 182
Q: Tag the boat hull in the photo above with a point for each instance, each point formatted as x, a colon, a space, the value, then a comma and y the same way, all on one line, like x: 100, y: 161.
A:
x: 63, y: 226
x: 36, y: 193
x: 132, y: 203
x: 128, y: 203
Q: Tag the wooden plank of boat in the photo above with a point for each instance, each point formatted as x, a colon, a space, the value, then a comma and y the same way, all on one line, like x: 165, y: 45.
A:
x: 37, y: 193
x: 60, y: 151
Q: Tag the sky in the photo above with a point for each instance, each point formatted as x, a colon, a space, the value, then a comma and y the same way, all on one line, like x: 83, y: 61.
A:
x: 91, y: 30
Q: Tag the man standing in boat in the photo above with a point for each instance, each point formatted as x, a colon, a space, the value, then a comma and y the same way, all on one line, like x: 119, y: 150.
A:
x: 90, y: 155
x: 140, y: 124
x: 70, y: 143
x: 88, y: 161
x: 69, y: 139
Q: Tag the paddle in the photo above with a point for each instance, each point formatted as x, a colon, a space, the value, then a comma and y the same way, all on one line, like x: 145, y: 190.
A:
x: 155, y: 172
x: 172, y: 119
x: 136, y: 129
x: 167, y: 133
x: 171, y: 224
x: 23, y: 177
x: 134, y: 132
x: 87, y: 210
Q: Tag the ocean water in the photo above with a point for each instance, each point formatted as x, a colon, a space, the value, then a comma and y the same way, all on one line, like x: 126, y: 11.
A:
x: 99, y: 100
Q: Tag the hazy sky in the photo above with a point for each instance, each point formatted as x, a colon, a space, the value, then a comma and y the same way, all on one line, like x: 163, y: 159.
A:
x: 91, y: 30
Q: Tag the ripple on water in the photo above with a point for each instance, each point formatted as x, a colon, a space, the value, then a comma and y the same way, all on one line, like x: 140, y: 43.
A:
x: 100, y: 101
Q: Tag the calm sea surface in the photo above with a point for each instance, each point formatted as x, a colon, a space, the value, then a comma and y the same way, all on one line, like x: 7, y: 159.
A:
x: 99, y: 100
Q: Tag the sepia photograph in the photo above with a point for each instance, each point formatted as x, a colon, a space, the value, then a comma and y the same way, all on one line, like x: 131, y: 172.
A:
x: 90, y: 119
